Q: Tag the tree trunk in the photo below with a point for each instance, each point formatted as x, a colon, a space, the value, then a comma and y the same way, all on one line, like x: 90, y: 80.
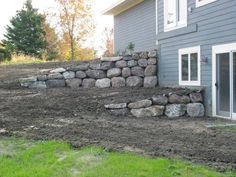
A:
x: 72, y: 48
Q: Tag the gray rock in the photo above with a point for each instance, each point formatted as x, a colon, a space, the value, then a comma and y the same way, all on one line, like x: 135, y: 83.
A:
x: 143, y: 62
x: 152, y: 54
x: 176, y: 99
x: 119, y: 112
x: 95, y: 65
x: 116, y: 106
x: 118, y: 82
x: 156, y: 110
x: 152, y: 61
x: 103, y: 83
x: 88, y: 83
x: 55, y: 83
x: 111, y: 58
x: 114, y: 72
x: 137, y: 71
x: 26, y: 82
x: 81, y: 67
x: 160, y: 100
x: 42, y: 77
x: 143, y: 112
x: 195, y: 110
x: 143, y: 55
x: 80, y: 74
x: 135, y: 56
x: 140, y: 104
x: 69, y: 75
x: 96, y: 74
x: 38, y: 85
x: 126, y: 72
x: 150, y: 70
x: 175, y: 110
x: 132, y: 63
x: 121, y: 64
x: 54, y: 76
x: 127, y: 58
x: 58, y: 70
x: 196, y: 97
x: 107, y: 65
x: 74, y: 83
x: 134, y: 81
x: 150, y: 81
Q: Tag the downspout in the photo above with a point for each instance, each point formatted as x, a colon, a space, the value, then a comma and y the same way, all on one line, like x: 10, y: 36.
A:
x: 157, y: 24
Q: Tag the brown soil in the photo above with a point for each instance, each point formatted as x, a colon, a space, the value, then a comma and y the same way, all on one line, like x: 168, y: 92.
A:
x: 79, y: 117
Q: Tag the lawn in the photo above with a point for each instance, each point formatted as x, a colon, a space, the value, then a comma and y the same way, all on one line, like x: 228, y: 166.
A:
x: 23, y: 158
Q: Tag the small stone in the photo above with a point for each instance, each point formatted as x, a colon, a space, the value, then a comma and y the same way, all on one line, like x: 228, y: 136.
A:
x: 195, y: 110
x: 121, y: 64
x: 196, y: 97
x: 175, y: 110
x: 38, y: 85
x: 26, y: 82
x: 152, y: 54
x: 54, y: 76
x: 126, y: 72
x: 134, y: 81
x: 81, y: 67
x: 137, y: 71
x: 103, y: 83
x: 42, y: 78
x: 143, y: 55
x: 74, y: 83
x: 140, y: 104
x: 150, y: 82
x: 80, y: 75
x: 96, y: 74
x: 119, y: 112
x: 143, y: 62
x: 111, y: 58
x: 118, y: 82
x: 150, y: 70
x: 95, y: 65
x: 114, y: 72
x: 55, y: 83
x: 135, y: 56
x: 58, y: 70
x: 152, y: 61
x: 116, y: 106
x: 160, y: 100
x: 88, y: 83
x: 107, y: 65
x: 132, y: 63
x: 176, y: 99
x: 69, y: 75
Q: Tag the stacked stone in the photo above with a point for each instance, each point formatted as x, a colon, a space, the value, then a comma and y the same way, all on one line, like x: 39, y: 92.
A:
x: 172, y: 106
x: 136, y: 70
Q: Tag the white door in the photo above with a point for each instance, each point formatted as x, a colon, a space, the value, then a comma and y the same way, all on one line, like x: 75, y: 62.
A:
x: 224, y: 81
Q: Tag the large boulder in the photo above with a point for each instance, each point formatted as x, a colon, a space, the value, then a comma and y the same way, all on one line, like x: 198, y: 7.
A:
x: 42, y: 77
x: 96, y: 74
x: 140, y: 104
x: 114, y: 72
x: 195, y: 110
x: 116, y: 106
x: 177, y: 99
x: 121, y: 64
x: 152, y: 54
x: 150, y: 81
x: 150, y: 70
x: 107, y: 65
x: 143, y: 62
x: 111, y: 58
x: 26, y: 82
x: 134, y: 81
x: 73, y: 83
x: 196, y: 97
x: 137, y: 71
x: 143, y: 55
x: 95, y: 65
x: 54, y: 76
x: 175, y: 110
x: 118, y: 82
x: 156, y: 110
x: 152, y: 61
x: 127, y: 58
x: 58, y: 70
x: 88, y: 83
x: 80, y: 74
x: 80, y: 67
x: 160, y: 100
x: 132, y: 63
x: 38, y: 85
x: 119, y: 112
x: 69, y: 75
x: 152, y: 111
x: 55, y: 83
x: 103, y: 83
x: 135, y: 56
x: 126, y: 72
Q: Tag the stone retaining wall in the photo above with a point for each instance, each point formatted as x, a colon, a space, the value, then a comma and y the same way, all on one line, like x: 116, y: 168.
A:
x: 137, y: 70
x: 172, y: 105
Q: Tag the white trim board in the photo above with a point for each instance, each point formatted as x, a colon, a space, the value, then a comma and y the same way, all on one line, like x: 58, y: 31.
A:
x: 203, y: 2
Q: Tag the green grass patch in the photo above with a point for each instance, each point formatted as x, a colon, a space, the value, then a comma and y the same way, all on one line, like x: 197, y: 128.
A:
x: 21, y: 158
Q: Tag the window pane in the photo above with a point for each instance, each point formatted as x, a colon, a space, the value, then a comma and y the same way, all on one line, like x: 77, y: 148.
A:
x: 171, y: 12
x: 182, y: 11
x: 184, y: 67
x: 194, y: 66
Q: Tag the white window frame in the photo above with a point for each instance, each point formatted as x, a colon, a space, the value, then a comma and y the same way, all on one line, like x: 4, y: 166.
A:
x: 188, y: 51
x: 177, y: 24
x: 204, y: 2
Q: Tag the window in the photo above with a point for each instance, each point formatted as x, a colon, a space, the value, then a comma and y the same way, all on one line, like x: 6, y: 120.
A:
x: 190, y: 66
x: 200, y: 3
x: 175, y: 14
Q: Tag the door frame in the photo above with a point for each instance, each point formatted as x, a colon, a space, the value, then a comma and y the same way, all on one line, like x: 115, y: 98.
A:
x: 217, y: 49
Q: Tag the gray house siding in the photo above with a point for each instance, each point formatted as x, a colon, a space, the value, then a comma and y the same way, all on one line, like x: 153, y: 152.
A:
x: 208, y: 25
x: 136, y: 25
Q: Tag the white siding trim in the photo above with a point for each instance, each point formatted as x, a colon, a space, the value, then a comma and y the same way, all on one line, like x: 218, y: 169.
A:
x: 204, y: 2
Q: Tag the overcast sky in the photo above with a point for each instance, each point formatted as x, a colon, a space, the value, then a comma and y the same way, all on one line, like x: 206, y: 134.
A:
x: 8, y: 9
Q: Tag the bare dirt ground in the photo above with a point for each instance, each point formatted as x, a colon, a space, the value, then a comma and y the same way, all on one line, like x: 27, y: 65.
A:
x: 79, y: 117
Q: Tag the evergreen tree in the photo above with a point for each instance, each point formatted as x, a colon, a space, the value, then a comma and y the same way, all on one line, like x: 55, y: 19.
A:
x: 25, y: 34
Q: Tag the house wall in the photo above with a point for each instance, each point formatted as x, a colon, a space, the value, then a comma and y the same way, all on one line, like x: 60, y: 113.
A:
x: 136, y: 25
x: 208, y: 25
